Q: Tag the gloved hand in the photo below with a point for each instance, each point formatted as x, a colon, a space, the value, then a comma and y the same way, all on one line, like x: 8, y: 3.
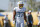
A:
x: 13, y: 21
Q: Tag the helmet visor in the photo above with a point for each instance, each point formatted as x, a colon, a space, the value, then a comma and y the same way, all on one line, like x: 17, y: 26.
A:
x: 21, y: 5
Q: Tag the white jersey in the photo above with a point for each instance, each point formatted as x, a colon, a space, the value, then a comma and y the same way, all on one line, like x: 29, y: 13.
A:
x: 19, y: 13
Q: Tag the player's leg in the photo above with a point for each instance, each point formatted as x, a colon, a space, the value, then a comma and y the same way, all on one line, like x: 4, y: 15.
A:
x: 17, y: 24
x: 22, y: 25
x: 30, y: 25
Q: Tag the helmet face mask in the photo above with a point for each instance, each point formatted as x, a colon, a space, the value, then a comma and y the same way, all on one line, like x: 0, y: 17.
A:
x: 21, y: 5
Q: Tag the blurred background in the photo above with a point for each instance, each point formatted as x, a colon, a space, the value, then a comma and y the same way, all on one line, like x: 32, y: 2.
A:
x: 8, y: 5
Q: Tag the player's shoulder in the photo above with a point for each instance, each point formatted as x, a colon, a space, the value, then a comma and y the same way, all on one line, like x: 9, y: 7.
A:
x: 24, y: 7
x: 15, y: 8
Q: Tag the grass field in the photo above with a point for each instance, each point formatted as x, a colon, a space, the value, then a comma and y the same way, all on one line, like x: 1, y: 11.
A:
x: 26, y: 26
x: 32, y: 26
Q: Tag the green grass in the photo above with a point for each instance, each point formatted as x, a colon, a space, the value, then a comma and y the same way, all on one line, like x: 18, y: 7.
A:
x: 32, y: 26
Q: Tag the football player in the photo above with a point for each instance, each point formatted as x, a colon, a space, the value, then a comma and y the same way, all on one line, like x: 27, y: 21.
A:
x: 19, y: 12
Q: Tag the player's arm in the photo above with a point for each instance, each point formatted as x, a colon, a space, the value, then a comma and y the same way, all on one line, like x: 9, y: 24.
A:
x: 14, y: 13
x: 25, y: 17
